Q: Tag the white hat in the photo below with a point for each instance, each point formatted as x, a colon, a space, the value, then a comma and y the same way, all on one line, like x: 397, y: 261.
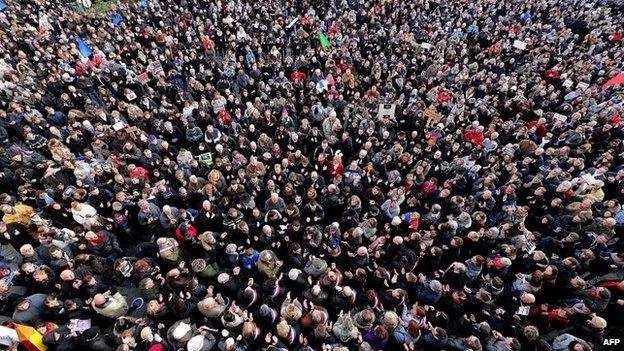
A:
x: 196, y: 343
x: 181, y: 330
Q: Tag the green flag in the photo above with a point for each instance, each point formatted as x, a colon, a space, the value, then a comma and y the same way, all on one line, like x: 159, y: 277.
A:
x: 324, y: 40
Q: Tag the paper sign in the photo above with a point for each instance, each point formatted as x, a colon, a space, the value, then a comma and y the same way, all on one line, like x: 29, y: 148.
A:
x: 523, y: 310
x: 560, y: 117
x: 118, y: 126
x: 582, y: 85
x: 292, y: 23
x: 426, y: 46
x: 519, y: 44
x: 321, y: 85
x: 568, y: 83
x: 8, y: 336
x: 156, y: 68
x: 387, y: 110
x: 143, y: 78
x: 570, y: 96
x: 81, y: 325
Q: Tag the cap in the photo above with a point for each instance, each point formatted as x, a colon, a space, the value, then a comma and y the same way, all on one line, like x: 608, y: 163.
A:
x: 181, y: 331
x: 196, y: 343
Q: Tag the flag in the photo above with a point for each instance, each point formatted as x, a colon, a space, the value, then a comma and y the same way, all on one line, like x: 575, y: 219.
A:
x: 117, y: 19
x: 3, y: 6
x: 85, y: 50
x: 30, y: 338
x: 324, y: 40
x: 618, y: 79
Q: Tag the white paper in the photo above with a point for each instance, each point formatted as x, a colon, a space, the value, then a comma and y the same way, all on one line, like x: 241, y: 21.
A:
x: 292, y: 23
x: 560, y: 117
x: 426, y: 46
x: 81, y: 325
x: 118, y: 126
x: 568, y: 83
x: 387, y: 110
x: 523, y: 310
x: 519, y: 44
x: 582, y: 85
x: 8, y: 336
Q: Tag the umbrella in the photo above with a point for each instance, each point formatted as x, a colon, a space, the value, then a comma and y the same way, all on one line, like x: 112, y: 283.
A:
x: 30, y: 338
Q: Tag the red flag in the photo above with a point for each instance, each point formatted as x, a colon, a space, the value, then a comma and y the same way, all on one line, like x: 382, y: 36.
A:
x: 618, y: 79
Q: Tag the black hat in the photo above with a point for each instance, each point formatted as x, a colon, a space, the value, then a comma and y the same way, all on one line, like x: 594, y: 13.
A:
x: 91, y: 333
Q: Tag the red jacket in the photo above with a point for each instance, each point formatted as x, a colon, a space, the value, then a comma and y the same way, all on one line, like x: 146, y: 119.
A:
x: 474, y: 136
x: 334, y: 169
x: 191, y: 232
x: 140, y: 172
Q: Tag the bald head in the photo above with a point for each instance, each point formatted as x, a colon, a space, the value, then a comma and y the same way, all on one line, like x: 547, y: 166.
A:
x: 99, y: 299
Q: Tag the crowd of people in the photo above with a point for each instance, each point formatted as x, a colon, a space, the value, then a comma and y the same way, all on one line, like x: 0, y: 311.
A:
x: 313, y: 175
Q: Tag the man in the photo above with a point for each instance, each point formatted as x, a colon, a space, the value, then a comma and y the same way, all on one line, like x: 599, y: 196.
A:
x: 110, y: 304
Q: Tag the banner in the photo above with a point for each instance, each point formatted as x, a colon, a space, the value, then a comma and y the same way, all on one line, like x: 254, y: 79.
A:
x: 324, y: 41
x: 618, y: 79
x: 83, y: 47
x: 519, y: 44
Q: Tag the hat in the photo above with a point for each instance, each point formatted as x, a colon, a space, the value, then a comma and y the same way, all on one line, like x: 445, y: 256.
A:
x: 152, y: 138
x: 182, y: 331
x: 91, y: 333
x: 196, y: 343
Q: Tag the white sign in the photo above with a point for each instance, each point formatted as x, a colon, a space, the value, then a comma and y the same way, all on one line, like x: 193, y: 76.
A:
x: 568, y: 83
x: 523, y: 310
x: 156, y: 68
x: 560, y: 117
x: 387, y: 110
x: 426, y: 46
x: 292, y: 23
x: 519, y: 44
x: 118, y: 126
x: 582, y: 85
